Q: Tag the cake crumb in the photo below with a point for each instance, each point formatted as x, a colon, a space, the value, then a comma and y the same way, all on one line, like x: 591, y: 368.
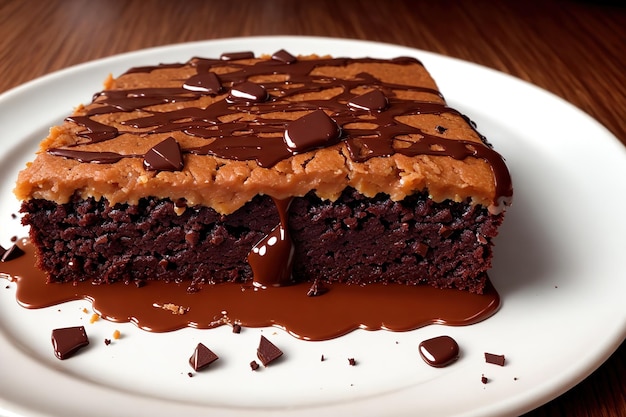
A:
x: 94, y: 318
x: 175, y: 309
x: 117, y: 335
x: 85, y: 310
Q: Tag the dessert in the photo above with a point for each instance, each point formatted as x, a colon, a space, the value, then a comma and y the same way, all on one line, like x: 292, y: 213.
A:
x: 267, y: 170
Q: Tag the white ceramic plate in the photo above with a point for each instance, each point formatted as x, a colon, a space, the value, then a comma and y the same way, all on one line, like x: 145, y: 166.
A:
x: 559, y: 267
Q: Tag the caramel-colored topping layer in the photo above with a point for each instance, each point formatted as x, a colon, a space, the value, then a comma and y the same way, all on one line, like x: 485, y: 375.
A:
x: 281, y: 126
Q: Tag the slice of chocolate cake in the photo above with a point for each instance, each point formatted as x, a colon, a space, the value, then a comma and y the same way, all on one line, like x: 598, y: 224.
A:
x: 270, y: 170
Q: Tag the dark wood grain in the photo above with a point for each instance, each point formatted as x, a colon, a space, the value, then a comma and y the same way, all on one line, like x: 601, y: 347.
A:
x: 575, y: 49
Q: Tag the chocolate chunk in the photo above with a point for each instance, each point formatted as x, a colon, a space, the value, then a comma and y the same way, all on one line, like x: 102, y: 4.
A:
x: 236, y: 328
x: 204, y: 83
x: 284, y: 56
x: 267, y: 352
x: 352, y: 361
x: 232, y: 56
x: 494, y: 359
x: 484, y: 379
x: 374, y: 100
x: 202, y: 357
x: 247, y: 93
x: 254, y: 365
x: 13, y: 252
x: 316, y: 289
x: 68, y: 340
x: 439, y: 351
x: 165, y: 156
x: 313, y: 130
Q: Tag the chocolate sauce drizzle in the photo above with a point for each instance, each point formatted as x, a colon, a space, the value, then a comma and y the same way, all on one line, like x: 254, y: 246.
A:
x: 270, y: 140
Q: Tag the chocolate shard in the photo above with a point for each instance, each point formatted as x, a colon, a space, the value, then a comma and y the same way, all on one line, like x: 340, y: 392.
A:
x: 202, y: 357
x: 13, y: 252
x: 284, y: 56
x: 439, y: 351
x: 267, y: 352
x: 494, y: 359
x: 374, y: 100
x: 232, y: 56
x: 317, y: 289
x: 68, y: 340
x: 208, y: 83
x: 311, y: 131
x: 165, y: 156
x: 247, y: 93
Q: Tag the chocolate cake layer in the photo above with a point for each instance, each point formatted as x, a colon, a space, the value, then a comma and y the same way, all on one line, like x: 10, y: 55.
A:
x: 354, y: 239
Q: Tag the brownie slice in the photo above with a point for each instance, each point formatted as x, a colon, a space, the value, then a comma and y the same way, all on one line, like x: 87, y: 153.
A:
x: 191, y: 171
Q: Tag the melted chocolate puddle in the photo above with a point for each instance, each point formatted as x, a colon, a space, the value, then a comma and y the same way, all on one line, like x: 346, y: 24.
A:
x: 340, y: 310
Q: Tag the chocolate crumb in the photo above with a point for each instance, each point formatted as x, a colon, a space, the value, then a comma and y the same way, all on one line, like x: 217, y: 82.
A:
x: 441, y: 129
x: 189, y: 374
x: 484, y: 379
x: 107, y: 342
x: 236, y: 328
x: 67, y: 341
x: 494, y: 359
x: 352, y: 361
x: 254, y: 365
x: 13, y: 239
x: 13, y: 216
x: 267, y: 352
x: 322, y: 359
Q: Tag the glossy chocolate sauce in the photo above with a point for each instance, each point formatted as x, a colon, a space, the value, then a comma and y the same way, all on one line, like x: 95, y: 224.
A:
x: 338, y: 311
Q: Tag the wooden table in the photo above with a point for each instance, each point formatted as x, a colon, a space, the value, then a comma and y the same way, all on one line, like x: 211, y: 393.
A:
x: 575, y: 49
